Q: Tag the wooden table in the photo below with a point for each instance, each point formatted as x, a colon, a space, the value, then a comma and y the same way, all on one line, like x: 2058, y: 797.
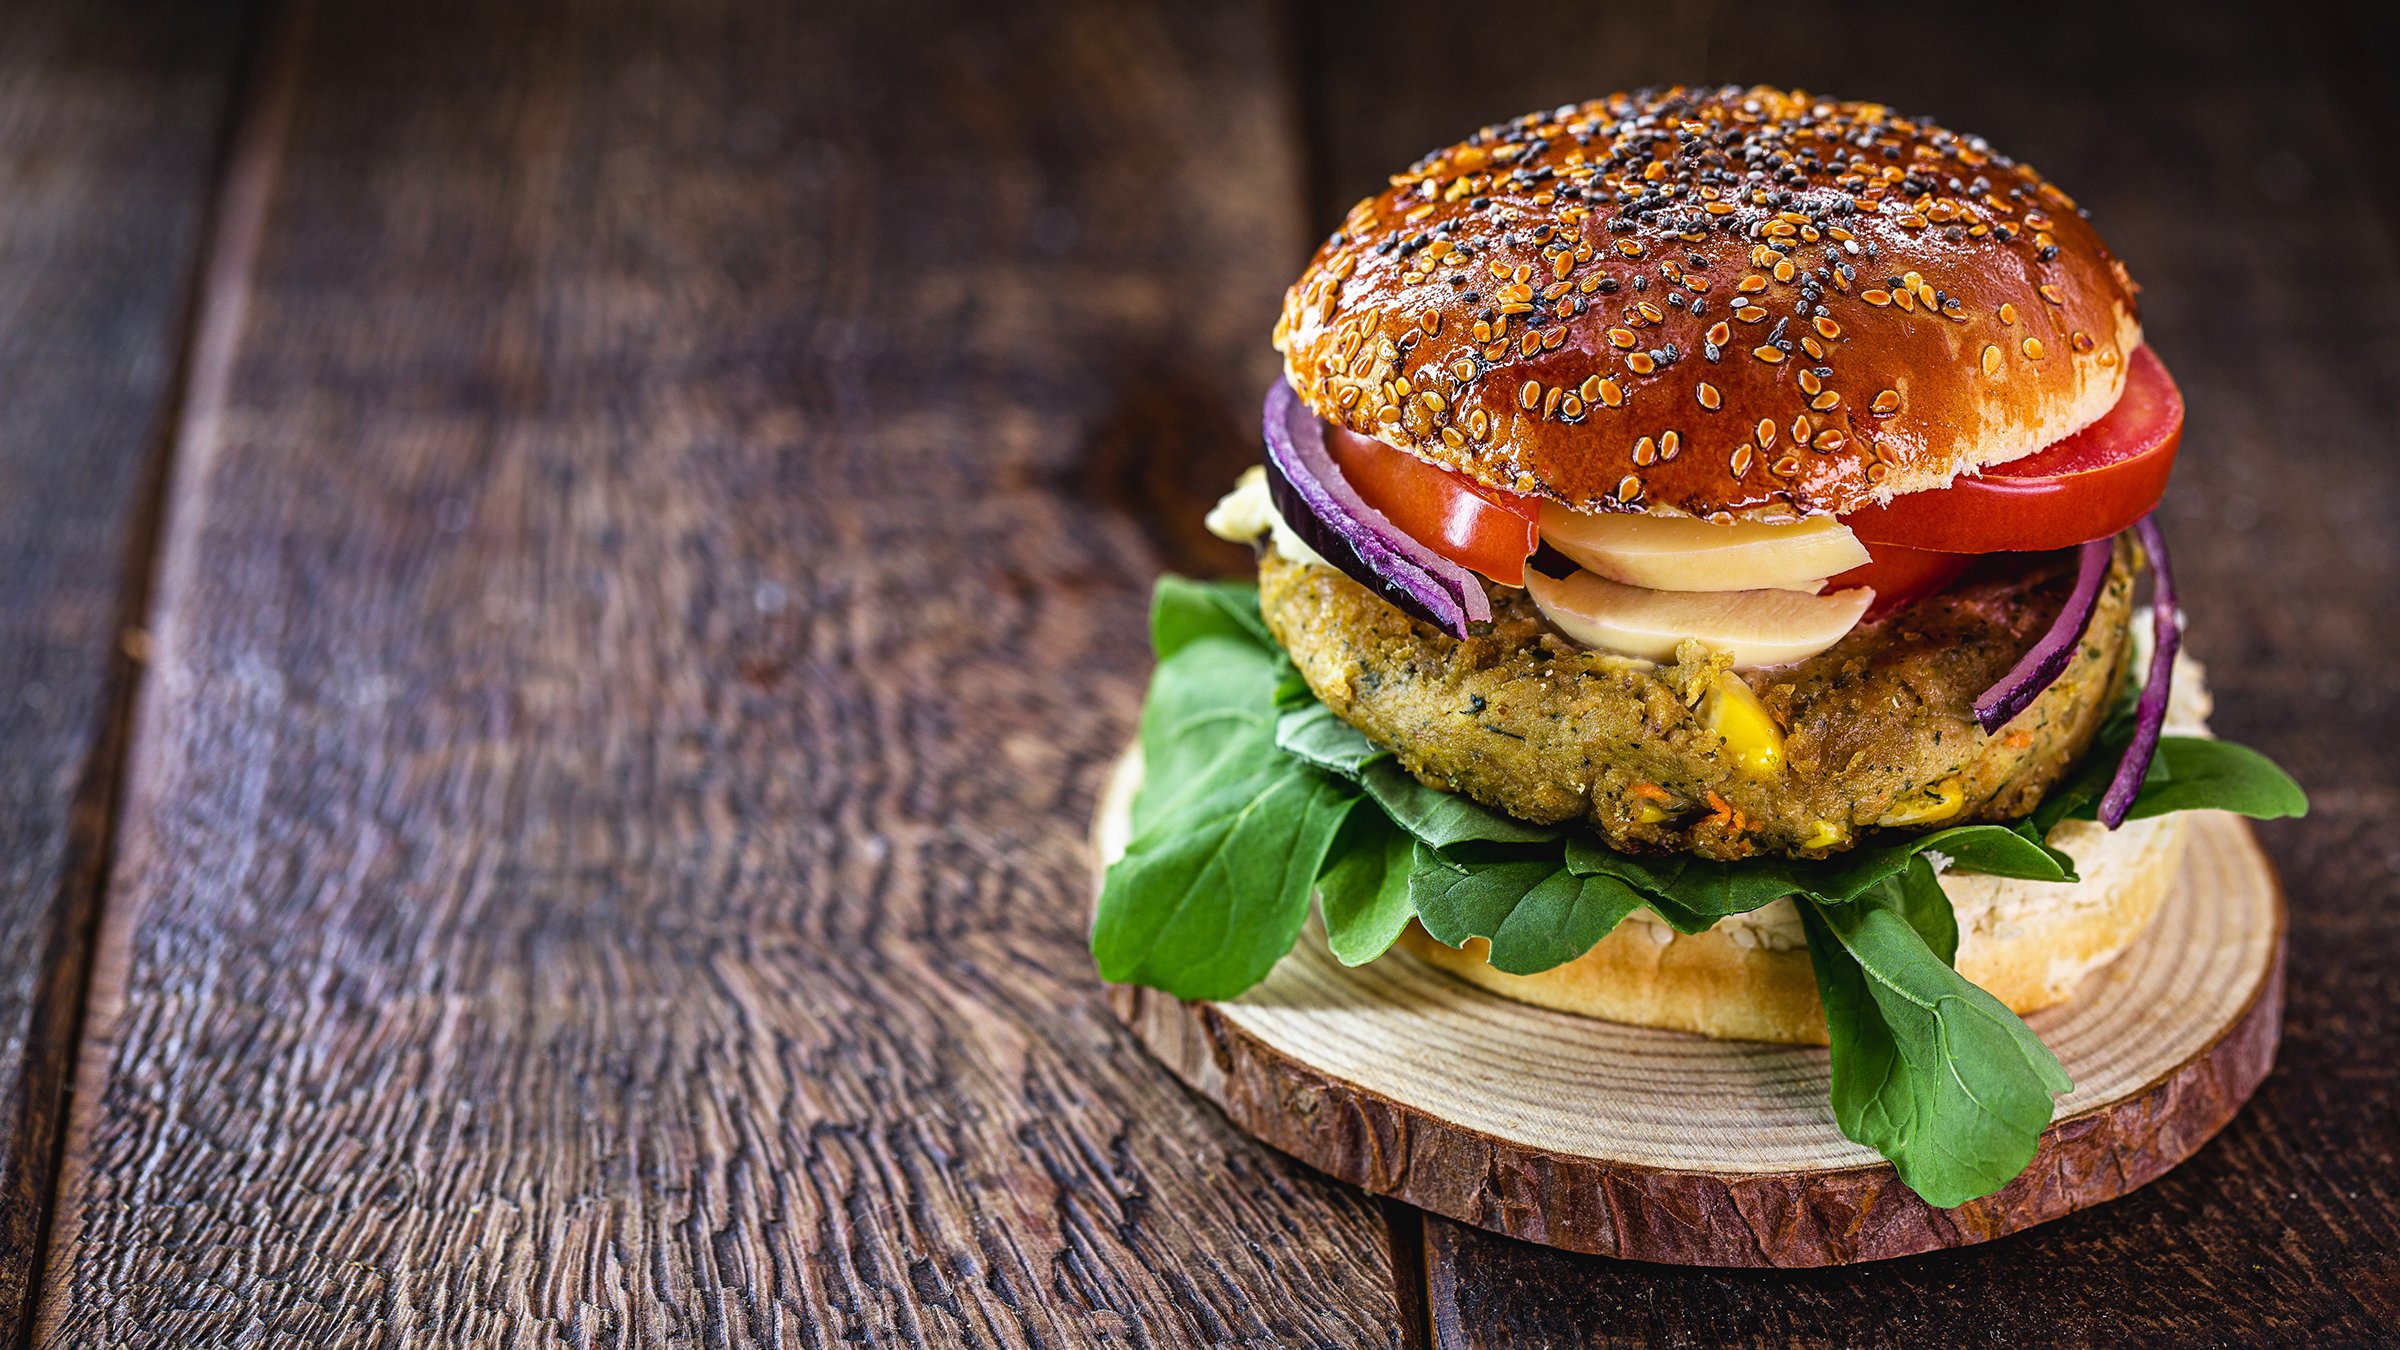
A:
x: 571, y: 570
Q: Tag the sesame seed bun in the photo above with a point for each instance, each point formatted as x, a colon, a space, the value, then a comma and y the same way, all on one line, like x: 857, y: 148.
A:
x: 1682, y: 302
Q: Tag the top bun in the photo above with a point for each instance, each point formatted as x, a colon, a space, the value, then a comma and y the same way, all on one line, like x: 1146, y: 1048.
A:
x: 1726, y: 303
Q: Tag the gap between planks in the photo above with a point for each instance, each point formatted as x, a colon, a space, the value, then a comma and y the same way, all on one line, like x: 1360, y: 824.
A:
x: 258, y: 113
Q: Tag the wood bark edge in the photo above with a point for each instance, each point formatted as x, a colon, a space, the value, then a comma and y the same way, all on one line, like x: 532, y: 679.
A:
x: 1778, y: 1219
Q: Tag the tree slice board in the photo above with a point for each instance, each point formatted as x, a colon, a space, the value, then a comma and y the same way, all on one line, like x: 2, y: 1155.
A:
x: 1660, y: 1146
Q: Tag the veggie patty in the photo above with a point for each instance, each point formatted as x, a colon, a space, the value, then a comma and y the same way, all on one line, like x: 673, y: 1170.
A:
x: 1877, y: 731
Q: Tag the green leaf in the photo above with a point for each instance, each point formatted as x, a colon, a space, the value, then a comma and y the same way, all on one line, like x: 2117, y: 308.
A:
x: 1707, y: 890
x: 1535, y: 912
x: 1313, y: 733
x: 1444, y: 819
x: 1182, y: 611
x: 2193, y: 773
x: 1205, y: 905
x: 1995, y: 850
x: 1928, y: 1070
x: 1697, y: 887
x: 1228, y: 834
x: 1363, y: 890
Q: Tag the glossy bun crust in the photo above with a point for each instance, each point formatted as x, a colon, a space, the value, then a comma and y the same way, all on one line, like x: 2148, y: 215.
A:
x: 1748, y: 302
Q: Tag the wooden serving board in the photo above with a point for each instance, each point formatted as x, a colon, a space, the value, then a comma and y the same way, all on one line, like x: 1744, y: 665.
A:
x: 1661, y: 1146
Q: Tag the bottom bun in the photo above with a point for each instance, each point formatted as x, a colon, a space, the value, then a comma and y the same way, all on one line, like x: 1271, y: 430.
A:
x: 2028, y: 942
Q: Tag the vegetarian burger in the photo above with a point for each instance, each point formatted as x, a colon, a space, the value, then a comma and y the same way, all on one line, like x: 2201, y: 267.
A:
x: 1698, y: 549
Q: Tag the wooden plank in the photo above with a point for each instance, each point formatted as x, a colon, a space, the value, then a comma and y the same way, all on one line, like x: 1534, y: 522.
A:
x: 108, y: 130
x: 2218, y: 159
x: 604, y: 852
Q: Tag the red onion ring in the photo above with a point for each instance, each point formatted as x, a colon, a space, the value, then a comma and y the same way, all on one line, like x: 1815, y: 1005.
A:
x: 2041, y: 664
x: 1328, y: 514
x: 2150, y: 714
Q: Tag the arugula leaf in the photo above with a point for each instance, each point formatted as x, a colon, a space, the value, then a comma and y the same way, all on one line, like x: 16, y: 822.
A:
x: 1442, y: 819
x: 1712, y: 890
x: 1182, y: 611
x: 1535, y: 912
x: 1928, y: 1069
x: 1993, y: 849
x: 1228, y: 834
x: 1699, y: 887
x: 1363, y: 890
x: 2192, y: 773
x: 1314, y: 734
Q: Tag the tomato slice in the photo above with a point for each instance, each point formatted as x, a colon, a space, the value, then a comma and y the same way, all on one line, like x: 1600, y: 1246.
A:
x: 1482, y: 529
x: 2089, y: 486
x: 1901, y: 576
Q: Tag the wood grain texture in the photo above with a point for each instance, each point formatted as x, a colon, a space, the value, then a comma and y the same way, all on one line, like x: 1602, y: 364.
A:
x: 109, y: 121
x: 1658, y: 1146
x: 2248, y: 190
x: 603, y: 861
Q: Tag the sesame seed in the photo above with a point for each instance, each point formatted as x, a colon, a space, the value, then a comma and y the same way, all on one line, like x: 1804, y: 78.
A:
x: 1887, y: 402
x: 1766, y: 433
x: 1770, y: 355
x: 2052, y: 294
x: 1741, y: 460
x: 1611, y: 393
x: 1641, y: 363
x: 1826, y: 402
x: 1629, y: 489
x: 1877, y: 298
x: 1991, y: 359
x: 1550, y: 400
x: 1645, y: 452
x: 1622, y: 338
x: 1709, y: 397
x: 1529, y: 394
x: 2008, y: 313
x: 1669, y: 445
x: 2033, y: 349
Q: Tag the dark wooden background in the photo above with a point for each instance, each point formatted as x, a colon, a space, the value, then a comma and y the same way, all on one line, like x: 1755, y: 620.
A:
x: 568, y: 571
